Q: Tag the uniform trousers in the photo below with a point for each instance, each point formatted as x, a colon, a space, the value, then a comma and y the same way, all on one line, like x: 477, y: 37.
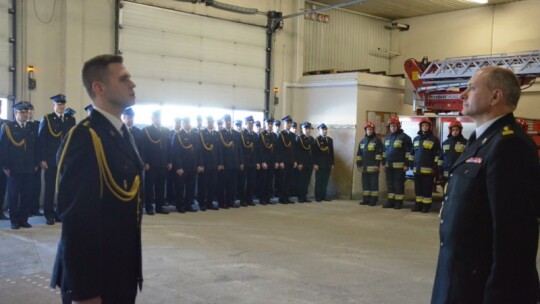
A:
x: 423, y: 188
x: 285, y: 185
x: 185, y: 190
x: 321, y: 183
x: 227, y: 187
x: 395, y: 182
x: 207, y: 188
x: 170, y: 192
x: 370, y: 187
x: 154, y: 188
x: 19, y: 198
x: 304, y: 177
x: 247, y: 184
x: 50, y: 188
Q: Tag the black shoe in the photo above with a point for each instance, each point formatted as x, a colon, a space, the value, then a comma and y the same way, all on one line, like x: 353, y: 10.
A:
x: 57, y: 219
x: 181, y: 210
x: 373, y: 203
x: 389, y: 204
x: 150, y: 212
x: 426, y: 208
x: 417, y: 207
x: 161, y: 211
x: 263, y: 202
x: 398, y: 205
x: 326, y: 199
x: 300, y: 200
x: 14, y: 226
x: 290, y: 201
x: 307, y: 201
x: 25, y: 225
x: 251, y: 204
x: 203, y: 209
x: 318, y: 200
x: 49, y: 221
x: 243, y: 204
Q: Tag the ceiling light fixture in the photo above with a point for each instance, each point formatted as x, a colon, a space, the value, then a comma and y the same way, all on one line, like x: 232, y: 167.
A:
x: 479, y: 1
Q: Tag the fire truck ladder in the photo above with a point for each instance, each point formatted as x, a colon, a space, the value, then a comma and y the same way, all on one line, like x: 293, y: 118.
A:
x: 522, y: 64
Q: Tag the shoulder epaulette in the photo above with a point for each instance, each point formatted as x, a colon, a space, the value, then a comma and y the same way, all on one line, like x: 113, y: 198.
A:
x: 507, y: 131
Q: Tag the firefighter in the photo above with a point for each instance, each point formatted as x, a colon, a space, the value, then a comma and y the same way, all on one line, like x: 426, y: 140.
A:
x: 368, y: 161
x: 397, y: 147
x: 424, y: 158
x: 452, y: 148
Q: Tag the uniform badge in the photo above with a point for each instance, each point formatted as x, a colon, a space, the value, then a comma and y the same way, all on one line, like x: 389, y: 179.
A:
x: 476, y: 160
x: 484, y: 141
x: 507, y: 131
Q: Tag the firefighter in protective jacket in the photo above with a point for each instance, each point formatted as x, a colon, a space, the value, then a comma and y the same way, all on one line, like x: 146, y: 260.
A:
x: 424, y: 158
x: 452, y: 148
x: 397, y: 148
x: 368, y: 161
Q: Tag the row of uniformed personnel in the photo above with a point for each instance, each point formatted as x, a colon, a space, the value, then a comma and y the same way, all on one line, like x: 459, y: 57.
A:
x: 424, y: 155
x: 225, y: 164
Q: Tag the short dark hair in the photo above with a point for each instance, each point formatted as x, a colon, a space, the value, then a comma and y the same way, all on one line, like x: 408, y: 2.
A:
x: 507, y: 81
x: 95, y: 69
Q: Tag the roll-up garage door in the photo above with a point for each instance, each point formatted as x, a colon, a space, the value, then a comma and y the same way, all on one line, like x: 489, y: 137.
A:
x: 185, y: 59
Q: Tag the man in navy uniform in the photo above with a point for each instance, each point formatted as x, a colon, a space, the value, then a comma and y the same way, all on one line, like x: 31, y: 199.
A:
x: 3, y: 181
x: 99, y: 258
x: 156, y: 146
x: 452, y: 148
x: 278, y: 177
x: 324, y: 163
x: 286, y: 158
x: 52, y: 128
x: 268, y: 142
x: 187, y: 163
x: 232, y: 163
x: 368, y: 162
x: 19, y: 162
x: 396, y: 152
x: 424, y: 158
x: 488, y: 226
x: 36, y: 185
x: 128, y: 117
x: 212, y: 163
x: 251, y: 161
x: 170, y: 180
x: 305, y: 145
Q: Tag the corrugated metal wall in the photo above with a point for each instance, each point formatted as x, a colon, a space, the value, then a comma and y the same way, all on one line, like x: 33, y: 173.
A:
x: 348, y: 42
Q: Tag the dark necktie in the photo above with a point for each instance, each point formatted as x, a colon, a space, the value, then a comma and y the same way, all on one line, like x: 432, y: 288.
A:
x: 62, y: 118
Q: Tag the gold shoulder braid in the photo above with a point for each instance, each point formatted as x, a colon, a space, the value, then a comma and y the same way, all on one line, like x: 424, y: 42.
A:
x: 105, y: 175
x: 325, y: 149
x: 303, y: 146
x: 190, y: 146
x: 151, y: 139
x: 283, y: 140
x: 270, y: 146
x: 51, y: 131
x: 226, y: 145
x: 10, y: 137
x: 250, y: 146
x: 207, y: 148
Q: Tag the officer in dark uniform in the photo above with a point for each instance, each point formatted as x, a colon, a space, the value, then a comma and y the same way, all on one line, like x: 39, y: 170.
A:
x: 396, y: 152
x: 488, y: 226
x: 232, y: 162
x: 452, y: 148
x: 251, y: 163
x: 156, y: 146
x: 52, y: 128
x: 368, y: 162
x: 258, y: 129
x: 171, y: 179
x: 424, y: 158
x: 324, y: 163
x: 286, y: 158
x: 212, y: 163
x: 199, y: 180
x: 3, y: 182
x: 99, y: 257
x: 268, y: 143
x: 277, y: 176
x: 128, y: 117
x: 36, y: 185
x: 305, y: 147
x: 19, y: 162
x: 187, y: 163
x: 294, y: 187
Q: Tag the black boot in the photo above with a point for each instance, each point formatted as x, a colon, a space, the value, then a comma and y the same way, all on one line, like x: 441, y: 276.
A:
x: 390, y: 203
x: 417, y: 207
x: 426, y: 208
x: 365, y: 200
x: 399, y: 204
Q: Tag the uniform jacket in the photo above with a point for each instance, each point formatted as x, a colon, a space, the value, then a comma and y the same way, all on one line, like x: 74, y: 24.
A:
x: 156, y: 146
x: 18, y: 151
x: 305, y: 147
x: 450, y: 152
x: 424, y: 156
x: 488, y: 227
x: 51, y: 131
x: 138, y: 137
x: 286, y: 147
x: 211, y: 149
x: 397, y: 148
x: 324, y: 151
x: 369, y: 153
x: 231, y: 149
x: 185, y: 151
x: 249, y: 147
x: 268, y: 145
x: 100, y: 244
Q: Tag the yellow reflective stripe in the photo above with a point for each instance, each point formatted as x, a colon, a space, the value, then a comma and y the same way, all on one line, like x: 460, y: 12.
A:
x: 391, y: 195
x: 436, y: 158
x: 374, y: 193
x: 378, y: 157
x: 426, y: 170
x: 445, y: 173
x: 365, y: 193
x: 407, y: 154
x: 411, y: 157
x: 419, y: 199
x: 440, y: 162
x: 384, y: 154
x: 399, y: 197
x: 398, y: 165
x: 359, y: 158
x: 426, y: 200
x: 371, y: 168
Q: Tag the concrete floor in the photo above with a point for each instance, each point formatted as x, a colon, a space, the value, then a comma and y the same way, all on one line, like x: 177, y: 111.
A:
x: 330, y: 252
